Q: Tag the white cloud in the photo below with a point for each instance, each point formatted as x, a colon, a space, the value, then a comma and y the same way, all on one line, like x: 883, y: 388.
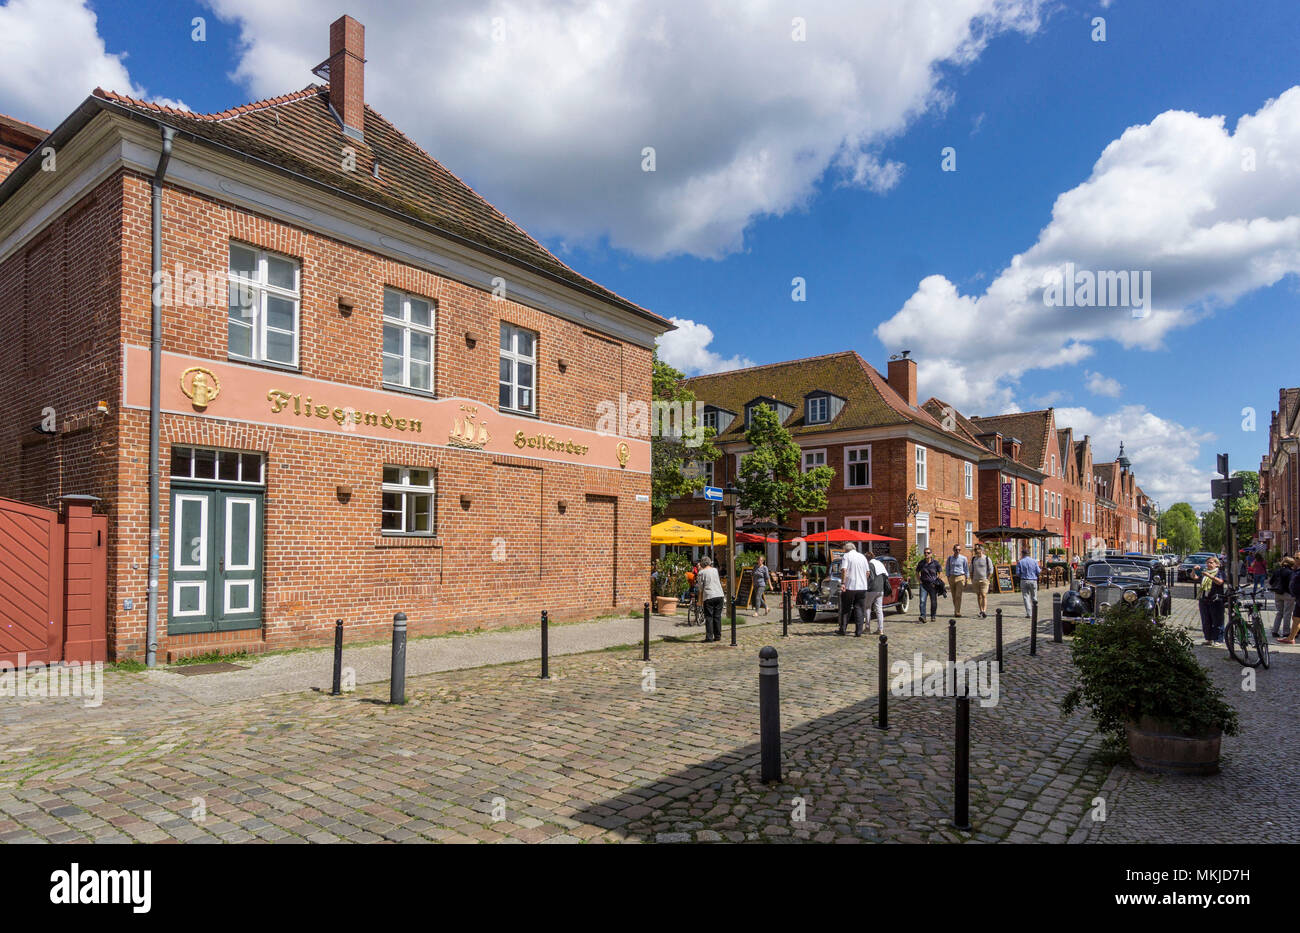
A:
x: 53, y: 58
x: 687, y: 349
x: 1163, y: 452
x: 1173, y: 198
x: 551, y: 120
x: 1098, y: 384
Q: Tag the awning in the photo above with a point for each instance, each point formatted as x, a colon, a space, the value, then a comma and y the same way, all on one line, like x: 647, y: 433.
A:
x: 846, y: 534
x: 671, y: 531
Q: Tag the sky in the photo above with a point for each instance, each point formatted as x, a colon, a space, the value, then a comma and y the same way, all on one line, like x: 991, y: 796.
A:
x: 787, y: 179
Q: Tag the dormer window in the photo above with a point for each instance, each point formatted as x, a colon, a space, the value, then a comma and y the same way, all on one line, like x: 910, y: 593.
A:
x: 710, y: 418
x: 818, y: 409
x: 782, y: 409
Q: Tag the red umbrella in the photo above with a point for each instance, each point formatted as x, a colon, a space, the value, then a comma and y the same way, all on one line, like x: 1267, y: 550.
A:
x: 844, y: 534
x: 744, y: 537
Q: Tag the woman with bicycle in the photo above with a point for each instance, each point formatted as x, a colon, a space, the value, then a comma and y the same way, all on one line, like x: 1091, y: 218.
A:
x: 1211, y: 590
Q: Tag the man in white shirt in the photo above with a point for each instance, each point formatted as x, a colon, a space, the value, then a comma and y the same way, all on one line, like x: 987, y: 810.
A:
x: 855, y: 579
x: 876, y: 591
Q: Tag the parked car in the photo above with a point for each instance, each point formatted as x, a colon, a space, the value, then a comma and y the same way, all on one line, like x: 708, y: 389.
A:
x: 1193, y: 562
x: 1104, y: 583
x: 821, y: 602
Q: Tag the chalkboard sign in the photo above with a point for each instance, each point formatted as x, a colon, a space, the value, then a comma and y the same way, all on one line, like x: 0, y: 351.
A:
x: 1002, y: 576
x: 744, y: 588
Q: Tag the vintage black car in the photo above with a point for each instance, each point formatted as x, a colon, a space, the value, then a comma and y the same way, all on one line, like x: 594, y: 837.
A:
x: 824, y: 597
x: 1103, y: 583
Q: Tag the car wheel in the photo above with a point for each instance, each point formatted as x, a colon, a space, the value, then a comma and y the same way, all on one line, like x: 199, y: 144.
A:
x: 806, y: 614
x: 904, y: 600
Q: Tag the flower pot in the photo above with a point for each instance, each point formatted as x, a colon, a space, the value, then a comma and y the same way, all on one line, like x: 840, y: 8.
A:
x: 1161, y: 747
x: 665, y: 605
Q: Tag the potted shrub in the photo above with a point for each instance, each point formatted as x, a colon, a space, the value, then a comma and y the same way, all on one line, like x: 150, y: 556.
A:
x: 1146, y: 689
x: 670, y: 582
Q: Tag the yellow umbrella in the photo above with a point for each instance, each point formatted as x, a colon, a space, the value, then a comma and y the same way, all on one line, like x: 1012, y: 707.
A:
x: 671, y: 531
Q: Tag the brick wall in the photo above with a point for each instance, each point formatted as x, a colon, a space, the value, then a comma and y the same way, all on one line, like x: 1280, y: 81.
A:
x: 324, y: 555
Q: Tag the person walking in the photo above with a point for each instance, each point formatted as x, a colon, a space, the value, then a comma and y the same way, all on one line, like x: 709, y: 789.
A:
x: 762, y: 578
x: 1028, y: 570
x: 927, y: 573
x: 876, y: 591
x: 855, y: 580
x: 1295, y: 597
x: 1258, y: 570
x: 712, y: 598
x: 957, y: 569
x: 1280, y: 584
x: 981, y: 572
x: 1211, y: 591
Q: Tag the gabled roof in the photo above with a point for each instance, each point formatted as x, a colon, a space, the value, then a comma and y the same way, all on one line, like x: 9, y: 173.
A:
x: 869, y: 400
x: 1030, y: 427
x: 940, y: 410
x: 298, y: 133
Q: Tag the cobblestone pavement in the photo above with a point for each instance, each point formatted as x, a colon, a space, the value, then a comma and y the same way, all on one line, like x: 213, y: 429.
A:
x: 1240, y: 803
x: 495, y: 754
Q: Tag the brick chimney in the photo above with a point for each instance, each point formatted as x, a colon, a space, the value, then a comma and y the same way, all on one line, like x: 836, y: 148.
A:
x: 902, y: 377
x: 347, y: 70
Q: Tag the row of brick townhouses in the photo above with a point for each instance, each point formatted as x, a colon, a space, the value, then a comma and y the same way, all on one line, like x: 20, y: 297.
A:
x: 1278, y: 521
x: 959, y: 473
x: 377, y: 393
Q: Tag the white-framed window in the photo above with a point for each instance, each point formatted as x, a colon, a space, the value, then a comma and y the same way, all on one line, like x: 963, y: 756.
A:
x: 968, y: 478
x: 812, y: 526
x: 710, y: 418
x: 818, y: 409
x: 921, y: 477
x: 1053, y: 464
x: 922, y: 531
x: 408, y: 501
x: 220, y: 466
x: 970, y: 534
x: 518, y: 371
x: 860, y: 523
x: 408, y: 341
x: 264, y: 299
x: 813, y: 459
x: 857, y: 467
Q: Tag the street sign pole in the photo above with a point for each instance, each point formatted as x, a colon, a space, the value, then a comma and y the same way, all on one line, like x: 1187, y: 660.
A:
x: 1229, y: 533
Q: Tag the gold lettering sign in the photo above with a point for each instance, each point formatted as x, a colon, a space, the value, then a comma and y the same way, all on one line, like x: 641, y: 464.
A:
x: 464, y: 433
x: 623, y: 454
x: 200, y: 385
x: 345, y: 418
x: 549, y: 443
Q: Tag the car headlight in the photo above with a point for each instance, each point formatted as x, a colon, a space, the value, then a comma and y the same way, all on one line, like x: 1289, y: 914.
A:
x: 1131, y: 596
x: 1085, y: 591
x: 826, y: 587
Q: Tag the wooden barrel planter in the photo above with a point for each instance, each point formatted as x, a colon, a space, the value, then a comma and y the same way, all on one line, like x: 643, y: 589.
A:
x: 1161, y: 747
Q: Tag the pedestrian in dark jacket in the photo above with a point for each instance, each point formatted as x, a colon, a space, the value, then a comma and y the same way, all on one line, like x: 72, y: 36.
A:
x: 1280, y: 584
x: 1294, y: 585
x: 927, y: 572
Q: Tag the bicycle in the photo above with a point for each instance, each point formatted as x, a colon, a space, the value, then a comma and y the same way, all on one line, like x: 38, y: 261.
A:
x: 1244, y: 634
x: 694, y: 609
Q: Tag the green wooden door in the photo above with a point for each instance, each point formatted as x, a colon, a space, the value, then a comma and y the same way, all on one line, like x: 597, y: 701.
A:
x: 216, y: 559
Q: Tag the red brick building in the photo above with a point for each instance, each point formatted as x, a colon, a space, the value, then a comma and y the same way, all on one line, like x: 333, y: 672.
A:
x: 1279, y: 476
x: 885, y: 449
x: 375, y: 393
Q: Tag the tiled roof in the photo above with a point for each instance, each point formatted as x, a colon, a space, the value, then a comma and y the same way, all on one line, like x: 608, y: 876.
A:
x: 299, y: 133
x: 1029, y: 427
x: 869, y: 400
x: 939, y: 410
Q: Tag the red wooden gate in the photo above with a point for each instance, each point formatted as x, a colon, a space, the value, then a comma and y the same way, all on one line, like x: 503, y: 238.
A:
x: 53, y: 595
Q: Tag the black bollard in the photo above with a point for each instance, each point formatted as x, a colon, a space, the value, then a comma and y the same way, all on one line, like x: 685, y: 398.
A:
x: 952, y: 656
x: 337, y: 687
x: 883, y: 678
x: 997, y: 629
x: 769, y: 714
x: 785, y: 614
x: 397, y: 693
x: 1033, y: 629
x: 645, y: 639
x: 961, y: 765
x: 1056, y: 618
x: 733, y: 621
x: 546, y: 660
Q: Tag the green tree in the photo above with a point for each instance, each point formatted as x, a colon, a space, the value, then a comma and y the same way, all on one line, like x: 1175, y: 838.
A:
x: 772, y: 482
x: 1180, y: 527
x: 688, y: 442
x: 1212, y: 533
